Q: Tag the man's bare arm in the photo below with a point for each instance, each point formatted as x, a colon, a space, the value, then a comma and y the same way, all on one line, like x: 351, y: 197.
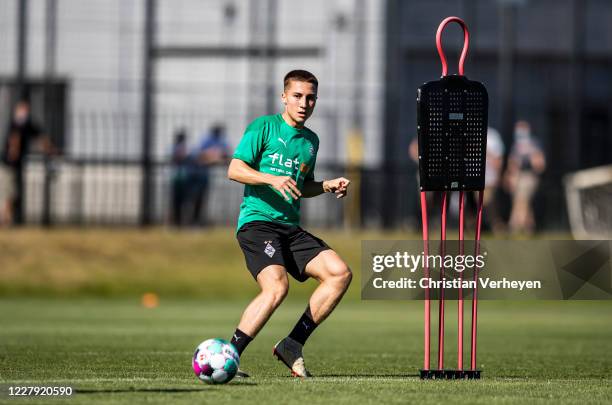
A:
x: 14, y: 146
x: 314, y: 188
x: 243, y: 173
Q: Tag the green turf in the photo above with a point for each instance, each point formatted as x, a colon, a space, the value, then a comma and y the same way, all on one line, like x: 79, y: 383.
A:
x: 115, y: 351
x: 129, y: 262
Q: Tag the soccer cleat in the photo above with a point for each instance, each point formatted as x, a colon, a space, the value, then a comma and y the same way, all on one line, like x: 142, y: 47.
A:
x: 241, y: 374
x: 290, y: 353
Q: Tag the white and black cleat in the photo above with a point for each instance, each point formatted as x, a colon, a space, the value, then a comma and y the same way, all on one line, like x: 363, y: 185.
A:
x: 242, y: 374
x: 290, y: 353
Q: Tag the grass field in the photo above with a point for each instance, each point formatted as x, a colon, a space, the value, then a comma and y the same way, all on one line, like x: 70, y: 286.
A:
x: 115, y: 351
x: 70, y: 314
x: 128, y: 262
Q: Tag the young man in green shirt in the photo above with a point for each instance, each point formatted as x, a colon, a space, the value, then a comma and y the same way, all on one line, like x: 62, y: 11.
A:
x: 275, y: 160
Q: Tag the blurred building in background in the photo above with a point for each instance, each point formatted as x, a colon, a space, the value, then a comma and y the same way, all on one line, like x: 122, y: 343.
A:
x: 114, y: 79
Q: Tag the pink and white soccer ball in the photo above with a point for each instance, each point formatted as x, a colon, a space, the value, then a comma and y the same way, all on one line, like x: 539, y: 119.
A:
x: 215, y: 361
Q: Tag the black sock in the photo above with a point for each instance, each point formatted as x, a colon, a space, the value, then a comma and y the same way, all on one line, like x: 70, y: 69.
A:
x: 303, y: 328
x: 240, y: 340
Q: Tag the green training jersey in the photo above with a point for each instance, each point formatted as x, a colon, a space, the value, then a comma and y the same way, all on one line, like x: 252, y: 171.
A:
x: 270, y: 145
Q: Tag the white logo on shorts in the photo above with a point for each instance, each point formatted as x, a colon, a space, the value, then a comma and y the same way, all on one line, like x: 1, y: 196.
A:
x: 269, y: 250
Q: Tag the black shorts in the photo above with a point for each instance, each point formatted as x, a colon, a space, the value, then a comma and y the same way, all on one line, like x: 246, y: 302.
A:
x: 267, y: 243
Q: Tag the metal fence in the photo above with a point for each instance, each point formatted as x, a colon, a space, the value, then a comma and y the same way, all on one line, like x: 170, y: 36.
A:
x: 216, y: 61
x: 102, y: 192
x: 108, y: 192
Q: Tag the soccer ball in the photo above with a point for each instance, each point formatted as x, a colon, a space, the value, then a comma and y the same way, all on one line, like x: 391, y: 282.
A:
x: 215, y: 361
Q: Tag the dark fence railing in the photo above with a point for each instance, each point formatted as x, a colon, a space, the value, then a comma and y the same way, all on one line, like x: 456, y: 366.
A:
x: 108, y: 192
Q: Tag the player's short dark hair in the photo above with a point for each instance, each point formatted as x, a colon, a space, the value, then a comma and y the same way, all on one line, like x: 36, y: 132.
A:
x: 300, y: 76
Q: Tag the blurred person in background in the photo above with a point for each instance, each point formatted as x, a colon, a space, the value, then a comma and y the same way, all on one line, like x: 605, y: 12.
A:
x: 495, y: 160
x: 21, y: 133
x: 7, y: 191
x: 212, y: 150
x: 179, y: 177
x: 525, y: 164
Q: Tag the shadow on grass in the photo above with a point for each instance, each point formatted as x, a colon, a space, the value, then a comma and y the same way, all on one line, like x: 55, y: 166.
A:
x: 126, y: 390
x: 154, y: 390
x: 366, y: 375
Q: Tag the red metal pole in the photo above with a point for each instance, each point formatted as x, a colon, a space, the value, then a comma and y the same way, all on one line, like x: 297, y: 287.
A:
x: 475, y: 296
x: 426, y: 362
x: 460, y: 298
x: 441, y: 300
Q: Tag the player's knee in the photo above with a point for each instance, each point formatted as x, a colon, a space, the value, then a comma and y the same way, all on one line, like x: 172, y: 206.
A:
x: 340, y: 273
x: 346, y: 277
x: 277, y: 292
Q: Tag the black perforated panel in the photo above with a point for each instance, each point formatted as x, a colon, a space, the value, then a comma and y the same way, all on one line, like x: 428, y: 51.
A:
x: 452, y: 129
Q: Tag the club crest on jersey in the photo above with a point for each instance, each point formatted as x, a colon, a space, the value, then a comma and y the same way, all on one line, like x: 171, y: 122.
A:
x: 269, y: 250
x: 304, y: 168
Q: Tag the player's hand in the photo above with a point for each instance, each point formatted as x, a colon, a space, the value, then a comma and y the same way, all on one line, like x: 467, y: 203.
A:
x: 337, y: 186
x: 286, y: 186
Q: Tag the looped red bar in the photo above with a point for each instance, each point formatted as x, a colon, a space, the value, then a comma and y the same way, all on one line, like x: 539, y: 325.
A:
x: 466, y: 43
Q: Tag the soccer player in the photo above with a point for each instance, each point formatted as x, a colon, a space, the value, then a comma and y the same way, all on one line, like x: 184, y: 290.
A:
x: 275, y: 160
